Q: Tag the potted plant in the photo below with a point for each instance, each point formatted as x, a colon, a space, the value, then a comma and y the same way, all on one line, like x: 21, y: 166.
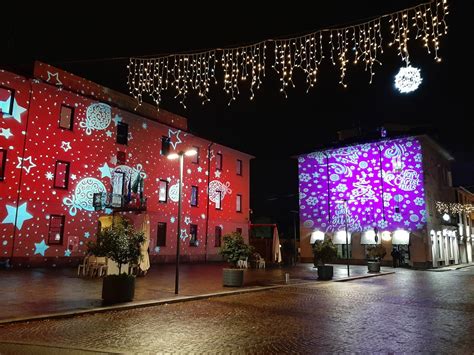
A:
x: 324, y: 252
x: 121, y: 243
x: 234, y: 249
x: 375, y: 254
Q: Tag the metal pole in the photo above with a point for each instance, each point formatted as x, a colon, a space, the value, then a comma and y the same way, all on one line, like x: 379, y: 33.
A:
x: 347, y: 237
x: 178, y: 234
x: 294, y: 225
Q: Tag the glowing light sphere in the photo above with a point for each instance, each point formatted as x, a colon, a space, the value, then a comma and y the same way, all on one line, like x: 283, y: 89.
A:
x: 408, y: 79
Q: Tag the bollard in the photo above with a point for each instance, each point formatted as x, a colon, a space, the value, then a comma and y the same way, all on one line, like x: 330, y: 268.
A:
x: 287, y: 277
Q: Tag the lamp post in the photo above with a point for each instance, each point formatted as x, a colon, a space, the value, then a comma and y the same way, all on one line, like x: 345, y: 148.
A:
x: 347, y: 237
x: 180, y: 155
x: 294, y: 231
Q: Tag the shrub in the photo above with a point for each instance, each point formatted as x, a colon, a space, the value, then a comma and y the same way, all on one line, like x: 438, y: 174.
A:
x: 234, y: 248
x: 377, y: 252
x: 324, y: 252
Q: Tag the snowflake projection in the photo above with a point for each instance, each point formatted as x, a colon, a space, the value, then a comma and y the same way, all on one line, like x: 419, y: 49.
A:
x: 98, y: 117
x: 419, y: 201
x: 49, y: 175
x: 312, y: 201
x: 408, y: 79
x: 301, y: 160
x: 83, y: 194
x: 305, y: 177
x: 373, y: 188
x: 173, y: 193
x: 308, y: 224
x: 157, y: 250
x: 397, y: 217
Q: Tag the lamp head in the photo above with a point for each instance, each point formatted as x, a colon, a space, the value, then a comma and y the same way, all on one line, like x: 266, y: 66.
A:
x: 173, y: 156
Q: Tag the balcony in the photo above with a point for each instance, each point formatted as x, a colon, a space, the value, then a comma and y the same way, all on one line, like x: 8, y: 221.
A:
x: 119, y: 203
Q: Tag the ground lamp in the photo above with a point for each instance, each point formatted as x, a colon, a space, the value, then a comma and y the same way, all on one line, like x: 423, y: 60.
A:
x: 172, y: 156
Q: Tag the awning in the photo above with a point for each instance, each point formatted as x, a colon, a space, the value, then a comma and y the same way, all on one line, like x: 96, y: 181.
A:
x: 368, y: 237
x: 401, y: 237
x: 339, y: 237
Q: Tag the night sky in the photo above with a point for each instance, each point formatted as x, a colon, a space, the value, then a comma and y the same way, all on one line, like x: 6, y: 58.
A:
x: 96, y: 44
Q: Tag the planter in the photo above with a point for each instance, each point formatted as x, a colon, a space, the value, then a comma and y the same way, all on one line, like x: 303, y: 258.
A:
x: 233, y: 277
x: 374, y: 266
x: 325, y: 272
x: 118, y: 288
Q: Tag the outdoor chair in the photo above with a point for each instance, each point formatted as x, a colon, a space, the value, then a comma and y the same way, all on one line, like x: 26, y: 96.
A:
x: 261, y: 263
x: 97, y: 266
x: 84, y: 266
x: 242, y: 263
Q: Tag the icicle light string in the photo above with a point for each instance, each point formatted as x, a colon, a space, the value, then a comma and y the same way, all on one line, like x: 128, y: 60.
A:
x: 360, y: 43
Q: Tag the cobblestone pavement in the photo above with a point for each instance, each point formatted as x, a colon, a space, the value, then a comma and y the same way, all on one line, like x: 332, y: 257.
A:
x: 26, y: 293
x: 410, y: 311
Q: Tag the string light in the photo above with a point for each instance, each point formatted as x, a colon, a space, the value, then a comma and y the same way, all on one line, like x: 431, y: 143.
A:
x: 453, y: 208
x: 360, y: 43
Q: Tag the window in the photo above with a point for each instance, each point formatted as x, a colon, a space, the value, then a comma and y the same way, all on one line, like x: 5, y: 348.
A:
x: 163, y: 191
x: 219, y: 200
x: 6, y: 100
x: 195, y: 158
x: 3, y: 163
x: 161, y: 234
x: 66, y: 117
x: 238, y: 168
x: 121, y: 158
x: 218, y: 236
x: 238, y: 230
x: 238, y: 206
x: 194, y: 196
x: 122, y: 133
x: 219, y: 161
x: 341, y: 251
x: 165, y: 145
x: 56, y: 229
x: 61, y: 175
x: 193, y: 230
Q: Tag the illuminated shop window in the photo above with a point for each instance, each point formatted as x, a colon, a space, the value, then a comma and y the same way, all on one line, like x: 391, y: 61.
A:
x: 238, y: 206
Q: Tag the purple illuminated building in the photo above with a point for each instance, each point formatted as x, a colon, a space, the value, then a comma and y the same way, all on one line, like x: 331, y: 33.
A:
x: 381, y: 192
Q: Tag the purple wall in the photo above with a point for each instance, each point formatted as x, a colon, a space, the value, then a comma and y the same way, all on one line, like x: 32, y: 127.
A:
x: 352, y: 173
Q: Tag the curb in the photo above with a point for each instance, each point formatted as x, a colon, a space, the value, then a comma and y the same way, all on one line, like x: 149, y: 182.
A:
x: 365, y: 276
x: 179, y: 299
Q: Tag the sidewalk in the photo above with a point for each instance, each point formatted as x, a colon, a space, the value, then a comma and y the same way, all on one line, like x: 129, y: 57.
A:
x: 451, y: 267
x: 38, y: 292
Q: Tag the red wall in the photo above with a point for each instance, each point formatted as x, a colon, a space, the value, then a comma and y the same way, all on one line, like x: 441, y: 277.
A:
x: 92, y: 143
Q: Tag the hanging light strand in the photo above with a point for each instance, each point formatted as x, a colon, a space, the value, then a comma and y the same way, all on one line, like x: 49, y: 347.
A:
x: 360, y: 43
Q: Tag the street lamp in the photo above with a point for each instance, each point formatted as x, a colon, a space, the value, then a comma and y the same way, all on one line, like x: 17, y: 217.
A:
x: 294, y: 231
x: 347, y: 236
x: 180, y: 155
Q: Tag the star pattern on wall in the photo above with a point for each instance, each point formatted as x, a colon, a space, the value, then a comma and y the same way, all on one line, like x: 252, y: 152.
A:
x: 108, y: 133
x: 41, y: 247
x: 217, y: 174
x: 117, y: 119
x: 105, y: 171
x: 17, y: 110
x: 174, y: 137
x: 6, y: 132
x: 183, y: 234
x: 22, y: 215
x: 25, y: 163
x: 65, y: 146
x: 187, y: 220
x: 49, y: 175
x: 67, y: 252
x: 55, y: 77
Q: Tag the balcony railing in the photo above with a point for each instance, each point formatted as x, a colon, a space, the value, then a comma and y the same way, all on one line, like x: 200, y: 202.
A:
x: 118, y: 202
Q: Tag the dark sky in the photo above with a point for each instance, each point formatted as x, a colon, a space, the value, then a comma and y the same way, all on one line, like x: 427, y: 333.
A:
x: 95, y: 43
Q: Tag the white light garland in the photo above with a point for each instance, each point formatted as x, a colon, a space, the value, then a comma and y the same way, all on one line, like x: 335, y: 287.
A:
x: 184, y: 73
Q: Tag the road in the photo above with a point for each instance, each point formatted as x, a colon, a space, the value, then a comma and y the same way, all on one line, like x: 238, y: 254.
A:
x: 410, y: 311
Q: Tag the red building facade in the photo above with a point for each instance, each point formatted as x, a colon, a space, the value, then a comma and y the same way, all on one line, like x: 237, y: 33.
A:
x: 64, y: 139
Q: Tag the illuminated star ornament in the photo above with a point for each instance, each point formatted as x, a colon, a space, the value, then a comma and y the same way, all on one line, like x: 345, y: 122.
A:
x: 408, y: 79
x: 65, y: 146
x: 17, y: 111
x: 54, y: 78
x: 105, y: 171
x: 174, y: 141
x: 25, y: 163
